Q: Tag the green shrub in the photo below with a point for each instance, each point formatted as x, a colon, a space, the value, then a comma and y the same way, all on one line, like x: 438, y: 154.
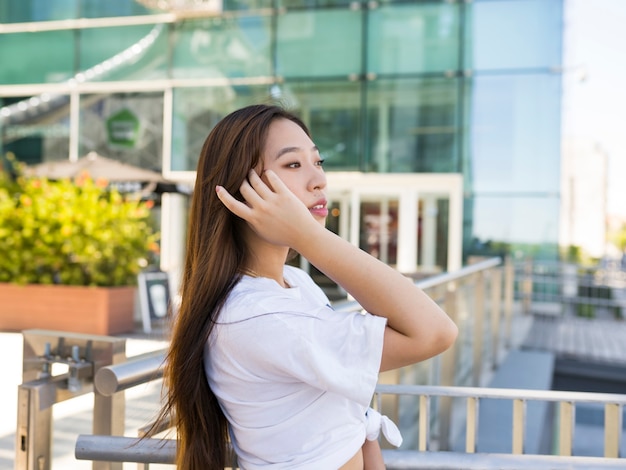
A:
x: 73, y: 232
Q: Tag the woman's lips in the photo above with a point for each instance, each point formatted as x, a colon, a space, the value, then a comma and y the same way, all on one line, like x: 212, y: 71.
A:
x: 319, y: 210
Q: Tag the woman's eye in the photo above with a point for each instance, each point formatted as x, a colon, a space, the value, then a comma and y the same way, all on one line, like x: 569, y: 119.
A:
x: 293, y: 165
x: 321, y: 161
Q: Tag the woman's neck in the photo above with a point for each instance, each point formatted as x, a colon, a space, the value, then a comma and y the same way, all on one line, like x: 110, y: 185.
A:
x: 266, y: 260
x: 279, y: 279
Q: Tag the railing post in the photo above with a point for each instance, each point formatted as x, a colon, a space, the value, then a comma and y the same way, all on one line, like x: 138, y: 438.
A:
x: 33, y: 447
x: 519, y: 425
x: 496, y: 312
x: 471, y: 428
x: 424, y: 423
x: 448, y: 371
x: 479, y: 315
x: 527, y: 286
x: 509, y: 282
x: 567, y: 413
x: 612, y: 429
x: 108, y: 420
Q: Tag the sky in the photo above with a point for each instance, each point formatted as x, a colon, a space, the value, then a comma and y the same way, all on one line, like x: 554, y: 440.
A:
x: 594, y: 59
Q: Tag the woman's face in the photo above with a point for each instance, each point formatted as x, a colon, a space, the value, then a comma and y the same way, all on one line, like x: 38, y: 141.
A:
x: 293, y: 156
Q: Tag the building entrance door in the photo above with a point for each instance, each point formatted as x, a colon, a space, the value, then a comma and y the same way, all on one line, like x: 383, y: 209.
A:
x: 410, y: 221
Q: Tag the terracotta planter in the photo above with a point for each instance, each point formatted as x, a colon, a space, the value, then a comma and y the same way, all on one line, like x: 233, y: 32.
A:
x: 90, y: 310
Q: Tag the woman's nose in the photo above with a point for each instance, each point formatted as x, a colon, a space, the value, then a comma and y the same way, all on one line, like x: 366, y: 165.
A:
x: 318, y: 179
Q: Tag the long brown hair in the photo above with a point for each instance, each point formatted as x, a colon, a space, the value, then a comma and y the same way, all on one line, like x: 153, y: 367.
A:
x: 216, y: 252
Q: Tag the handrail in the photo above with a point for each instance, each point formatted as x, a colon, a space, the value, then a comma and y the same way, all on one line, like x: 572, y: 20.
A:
x: 443, y: 278
x: 125, y: 449
x: 503, y: 393
x: 443, y: 460
x: 163, y: 451
x: 435, y: 280
x: 136, y: 371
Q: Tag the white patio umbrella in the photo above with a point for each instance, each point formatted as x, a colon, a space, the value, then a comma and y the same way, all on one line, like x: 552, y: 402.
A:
x: 117, y: 173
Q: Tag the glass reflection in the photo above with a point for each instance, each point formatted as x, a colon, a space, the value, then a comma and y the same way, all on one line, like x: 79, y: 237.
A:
x: 515, y: 224
x: 35, y: 137
x: 515, y: 128
x: 222, y: 47
x: 514, y: 34
x: 197, y: 110
x: 413, y: 38
x: 322, y: 43
x: 412, y: 125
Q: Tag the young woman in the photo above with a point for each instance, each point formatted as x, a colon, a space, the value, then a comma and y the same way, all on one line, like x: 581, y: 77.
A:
x: 258, y: 358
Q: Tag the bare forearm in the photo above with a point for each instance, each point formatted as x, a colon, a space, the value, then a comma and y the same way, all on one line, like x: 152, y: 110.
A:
x: 371, y: 282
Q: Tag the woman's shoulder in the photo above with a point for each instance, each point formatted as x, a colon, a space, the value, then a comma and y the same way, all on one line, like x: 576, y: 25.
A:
x: 252, y: 297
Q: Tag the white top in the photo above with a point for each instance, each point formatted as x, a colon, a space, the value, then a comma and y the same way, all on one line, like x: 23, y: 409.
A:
x: 293, y: 377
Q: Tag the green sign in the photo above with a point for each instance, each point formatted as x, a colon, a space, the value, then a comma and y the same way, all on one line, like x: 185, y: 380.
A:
x: 123, y: 129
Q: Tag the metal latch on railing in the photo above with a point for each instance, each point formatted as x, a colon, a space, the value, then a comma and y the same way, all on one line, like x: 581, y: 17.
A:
x: 58, y: 366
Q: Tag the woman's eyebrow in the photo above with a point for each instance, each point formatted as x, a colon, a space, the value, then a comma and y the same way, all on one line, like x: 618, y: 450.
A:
x: 285, y: 150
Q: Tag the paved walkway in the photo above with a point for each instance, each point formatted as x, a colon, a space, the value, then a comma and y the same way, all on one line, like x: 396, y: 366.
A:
x: 72, y: 417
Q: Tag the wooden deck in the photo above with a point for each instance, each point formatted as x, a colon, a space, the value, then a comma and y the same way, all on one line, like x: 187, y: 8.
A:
x: 601, y: 340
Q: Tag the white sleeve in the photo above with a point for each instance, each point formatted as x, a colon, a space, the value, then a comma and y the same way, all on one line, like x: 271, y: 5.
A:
x: 336, y: 352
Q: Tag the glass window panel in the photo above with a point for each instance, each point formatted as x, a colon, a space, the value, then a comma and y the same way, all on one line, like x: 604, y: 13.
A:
x: 413, y: 38
x: 123, y: 53
x: 514, y: 34
x: 332, y: 112
x: 197, y: 110
x: 321, y: 43
x: 100, y: 9
x: 413, y: 125
x: 19, y: 11
x: 123, y: 126
x: 518, y: 225
x: 39, y: 135
x: 313, y: 3
x: 42, y: 57
x: 243, y: 5
x: 222, y: 47
x: 515, y: 133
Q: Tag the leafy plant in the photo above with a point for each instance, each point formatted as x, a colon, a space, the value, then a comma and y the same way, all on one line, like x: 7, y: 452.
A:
x: 73, y: 232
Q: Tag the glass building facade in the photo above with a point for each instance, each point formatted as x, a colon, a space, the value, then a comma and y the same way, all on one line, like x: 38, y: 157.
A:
x: 389, y: 87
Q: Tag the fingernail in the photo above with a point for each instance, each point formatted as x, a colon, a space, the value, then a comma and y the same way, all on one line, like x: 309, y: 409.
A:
x: 218, y: 188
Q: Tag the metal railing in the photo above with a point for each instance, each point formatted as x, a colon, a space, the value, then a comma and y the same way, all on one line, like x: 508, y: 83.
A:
x: 566, y: 403
x: 571, y: 289
x: 480, y: 298
x: 124, y: 449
